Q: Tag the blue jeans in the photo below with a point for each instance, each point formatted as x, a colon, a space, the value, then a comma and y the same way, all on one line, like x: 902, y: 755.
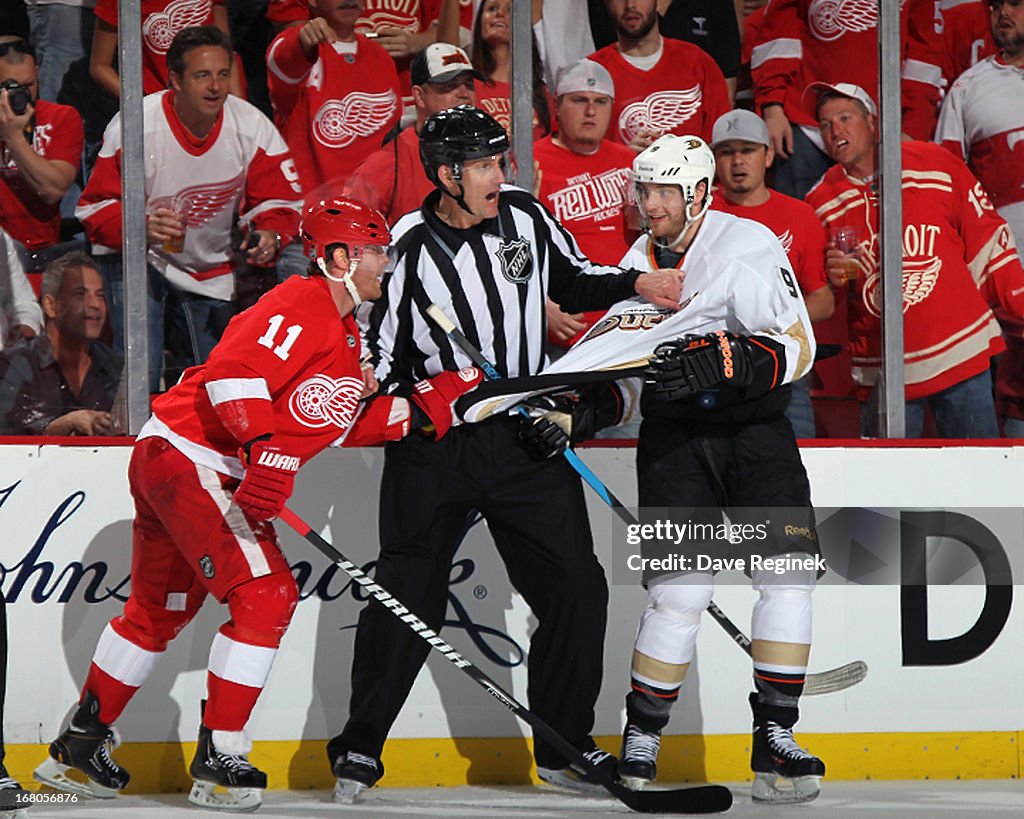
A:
x: 61, y: 34
x: 805, y: 166
x: 965, y: 410
x: 800, y: 411
x: 291, y: 262
x: 200, y: 320
x: 1013, y: 427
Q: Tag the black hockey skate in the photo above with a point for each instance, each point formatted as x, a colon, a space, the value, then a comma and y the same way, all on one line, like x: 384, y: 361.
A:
x: 241, y: 784
x: 13, y: 797
x: 637, y: 764
x: 775, y: 757
x: 355, y: 773
x: 85, y: 746
x: 574, y: 779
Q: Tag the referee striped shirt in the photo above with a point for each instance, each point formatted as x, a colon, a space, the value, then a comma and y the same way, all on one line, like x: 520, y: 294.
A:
x: 492, y: 280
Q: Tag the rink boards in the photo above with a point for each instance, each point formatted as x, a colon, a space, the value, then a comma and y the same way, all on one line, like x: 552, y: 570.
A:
x: 941, y: 700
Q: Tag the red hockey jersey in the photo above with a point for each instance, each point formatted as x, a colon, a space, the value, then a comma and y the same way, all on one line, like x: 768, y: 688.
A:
x: 414, y: 16
x: 799, y: 230
x: 24, y: 215
x: 959, y: 261
x: 803, y: 41
x: 241, y: 165
x: 966, y: 36
x: 287, y: 367
x: 161, y: 20
x: 336, y: 111
x: 684, y: 93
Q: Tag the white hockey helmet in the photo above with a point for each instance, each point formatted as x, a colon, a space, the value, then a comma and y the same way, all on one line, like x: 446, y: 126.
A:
x: 685, y: 161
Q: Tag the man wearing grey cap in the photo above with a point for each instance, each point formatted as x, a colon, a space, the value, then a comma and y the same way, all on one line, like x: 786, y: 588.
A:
x: 392, y: 179
x: 582, y: 179
x: 743, y: 153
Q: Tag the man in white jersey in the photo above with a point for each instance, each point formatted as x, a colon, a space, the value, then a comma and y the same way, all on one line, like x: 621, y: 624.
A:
x: 715, y: 438
x: 982, y: 122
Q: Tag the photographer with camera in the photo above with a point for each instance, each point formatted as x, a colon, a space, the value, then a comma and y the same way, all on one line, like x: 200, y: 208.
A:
x: 40, y: 153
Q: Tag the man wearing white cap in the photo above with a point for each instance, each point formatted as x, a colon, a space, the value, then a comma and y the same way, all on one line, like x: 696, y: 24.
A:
x: 392, y: 179
x: 959, y: 264
x: 583, y: 179
x: 743, y: 152
x: 802, y: 41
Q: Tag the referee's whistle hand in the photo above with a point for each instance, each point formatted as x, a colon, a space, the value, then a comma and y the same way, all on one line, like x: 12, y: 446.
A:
x: 661, y: 288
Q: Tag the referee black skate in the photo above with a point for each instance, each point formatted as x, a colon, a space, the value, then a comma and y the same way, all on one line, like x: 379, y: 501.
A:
x: 488, y: 255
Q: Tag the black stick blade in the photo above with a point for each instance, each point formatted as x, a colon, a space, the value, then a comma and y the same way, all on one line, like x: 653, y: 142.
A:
x: 696, y: 799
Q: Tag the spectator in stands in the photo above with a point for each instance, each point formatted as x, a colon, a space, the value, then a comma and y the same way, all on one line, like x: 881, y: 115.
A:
x: 161, y: 22
x: 982, y: 122
x: 663, y: 86
x: 63, y: 381
x: 743, y: 153
x: 401, y: 29
x: 492, y: 56
x: 802, y: 41
x: 211, y: 155
x: 959, y: 262
x: 392, y: 179
x: 61, y: 34
x: 20, y: 316
x: 40, y: 153
x: 583, y: 180
x: 710, y: 24
x: 334, y: 122
x: 966, y: 35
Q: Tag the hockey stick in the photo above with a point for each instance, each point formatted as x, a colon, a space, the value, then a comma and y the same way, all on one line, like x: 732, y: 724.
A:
x: 835, y: 679
x: 696, y: 799
x: 825, y: 682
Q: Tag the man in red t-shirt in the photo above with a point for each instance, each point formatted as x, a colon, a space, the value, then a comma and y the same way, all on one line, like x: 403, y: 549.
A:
x: 663, y: 86
x: 40, y: 152
x: 583, y: 180
x: 743, y: 152
x: 392, y: 179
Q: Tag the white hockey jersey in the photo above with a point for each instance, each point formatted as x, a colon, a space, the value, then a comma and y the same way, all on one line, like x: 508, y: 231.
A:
x: 982, y: 122
x: 242, y: 165
x: 737, y: 278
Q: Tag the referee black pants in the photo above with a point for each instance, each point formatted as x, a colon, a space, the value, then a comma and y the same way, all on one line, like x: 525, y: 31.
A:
x: 536, y: 514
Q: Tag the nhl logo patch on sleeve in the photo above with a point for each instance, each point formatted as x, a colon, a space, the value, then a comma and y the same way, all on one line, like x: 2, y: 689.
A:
x: 516, y: 261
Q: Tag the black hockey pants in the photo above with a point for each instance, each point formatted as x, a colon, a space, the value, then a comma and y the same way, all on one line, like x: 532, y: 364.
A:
x: 536, y: 514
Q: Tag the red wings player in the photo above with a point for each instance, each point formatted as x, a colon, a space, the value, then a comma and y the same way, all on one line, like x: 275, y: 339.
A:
x: 283, y: 383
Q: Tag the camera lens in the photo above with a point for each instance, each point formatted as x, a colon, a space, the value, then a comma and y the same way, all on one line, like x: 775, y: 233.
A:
x: 18, y: 96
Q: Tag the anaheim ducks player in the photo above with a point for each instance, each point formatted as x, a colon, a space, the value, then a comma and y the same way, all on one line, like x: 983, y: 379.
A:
x: 211, y: 468
x: 714, y: 437
x: 959, y: 265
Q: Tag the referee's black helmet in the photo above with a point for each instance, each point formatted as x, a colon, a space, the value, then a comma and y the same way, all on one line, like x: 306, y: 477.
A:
x: 457, y: 135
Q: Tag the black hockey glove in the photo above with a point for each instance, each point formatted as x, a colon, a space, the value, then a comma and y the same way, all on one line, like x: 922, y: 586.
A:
x: 695, y: 363
x: 557, y: 421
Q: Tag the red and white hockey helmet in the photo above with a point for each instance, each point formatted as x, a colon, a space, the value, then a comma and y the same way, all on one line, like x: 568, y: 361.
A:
x: 337, y: 219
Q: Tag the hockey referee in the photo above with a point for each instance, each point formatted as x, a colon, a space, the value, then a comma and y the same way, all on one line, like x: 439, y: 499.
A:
x: 488, y: 254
